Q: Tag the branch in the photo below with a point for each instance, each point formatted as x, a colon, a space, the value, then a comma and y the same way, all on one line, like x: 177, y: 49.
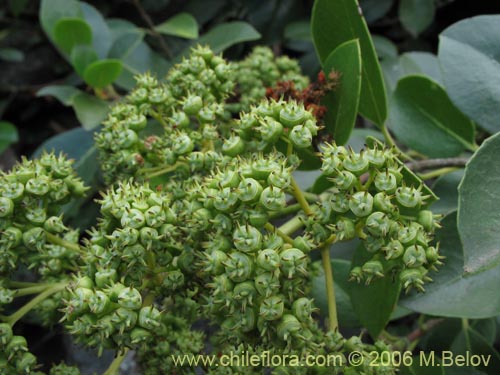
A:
x: 422, y: 165
x: 423, y: 329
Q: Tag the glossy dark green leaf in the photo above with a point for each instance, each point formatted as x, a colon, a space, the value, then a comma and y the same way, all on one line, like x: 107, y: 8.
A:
x: 384, y: 47
x: 182, y: 25
x: 469, y: 53
x: 89, y: 110
x: 52, y: 11
x: 375, y: 303
x: 342, y: 104
x: 336, y: 22
x: 375, y: 9
x: 8, y: 135
x: 416, y: 15
x: 102, y: 73
x: 225, y: 35
x: 423, y: 117
x: 71, y: 32
x: 81, y: 57
x: 454, y: 292
x: 478, y: 215
x: 65, y: 94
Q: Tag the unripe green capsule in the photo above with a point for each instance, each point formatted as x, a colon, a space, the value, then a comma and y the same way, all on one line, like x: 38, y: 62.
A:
x: 249, y: 190
x: 303, y: 308
x: 303, y: 243
x: 414, y: 256
x: 130, y: 298
x: 247, y: 239
x: 244, y: 293
x: 292, y: 114
x: 54, y: 224
x: 138, y: 335
x: 273, y: 199
x: 427, y: 219
x: 192, y: 105
x: 382, y: 202
x: 114, y: 291
x: 361, y: 204
x: 344, y: 180
x: 124, y: 318
x: 409, y: 197
x: 378, y: 224
x: 105, y: 277
x: 345, y: 229
x: 267, y: 284
x: 239, y: 267
x: 6, y: 207
x: 149, y: 317
x: 268, y: 259
x: 270, y: 130
x: 36, y: 216
x: 272, y: 308
x: 408, y: 235
x: 339, y: 203
x: 173, y: 280
x: 331, y: 164
x: 179, y: 120
x: 356, y: 274
x: 376, y: 157
x: 233, y: 146
x: 385, y: 181
x: 5, y: 333
x: 26, y: 363
x: 394, y: 249
x: 13, y: 190
x: 289, y: 326
x: 373, y: 269
x: 432, y: 255
x: 293, y: 261
x: 300, y: 136
x: 11, y: 237
x: 137, y: 122
x: 281, y: 178
x: 133, y: 218
x: 356, y: 163
x: 225, y: 200
x: 38, y: 186
x: 373, y: 244
x: 412, y: 278
x: 258, y: 218
x: 99, y: 303
x: 183, y: 144
x: 34, y: 239
x: 214, y: 262
x: 17, y: 344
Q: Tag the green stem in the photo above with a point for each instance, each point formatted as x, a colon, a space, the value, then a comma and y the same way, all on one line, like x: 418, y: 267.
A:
x: 12, y: 319
x: 437, y: 173
x: 115, y: 365
x: 291, y: 226
x: 465, y: 327
x: 390, y: 141
x: 21, y: 284
x: 168, y: 169
x: 33, y: 289
x: 61, y: 242
x: 286, y: 211
x: 271, y: 228
x: 330, y: 287
x: 299, y: 195
x: 311, y: 197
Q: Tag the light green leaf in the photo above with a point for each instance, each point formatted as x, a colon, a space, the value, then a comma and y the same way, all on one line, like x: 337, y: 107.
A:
x: 454, y: 292
x: 469, y: 53
x: 81, y: 57
x: 89, y: 110
x: 336, y: 22
x: 70, y: 32
x: 423, y: 117
x: 52, y: 11
x: 225, y: 35
x: 8, y: 135
x: 478, y: 215
x: 385, y: 48
x: 101, y: 35
x: 416, y: 15
x: 423, y: 63
x: 342, y: 104
x: 102, y: 73
x: 446, y: 188
x: 65, y: 94
x: 182, y: 25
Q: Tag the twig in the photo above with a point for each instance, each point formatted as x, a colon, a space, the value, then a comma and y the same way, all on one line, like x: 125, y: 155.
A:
x: 145, y: 16
x: 422, y: 165
x: 423, y: 329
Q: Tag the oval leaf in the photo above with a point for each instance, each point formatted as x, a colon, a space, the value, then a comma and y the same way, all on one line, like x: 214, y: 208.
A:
x: 469, y: 53
x: 81, y: 57
x: 52, y: 11
x: 182, y: 25
x: 478, y: 214
x: 423, y: 117
x: 227, y: 34
x: 424, y: 63
x: 71, y: 32
x: 89, y: 110
x: 102, y: 73
x: 65, y: 94
x: 336, y: 22
x: 8, y: 135
x: 342, y: 104
x: 416, y: 15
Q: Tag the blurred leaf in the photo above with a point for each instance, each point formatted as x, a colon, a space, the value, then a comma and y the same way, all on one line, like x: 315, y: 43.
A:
x: 17, y: 6
x: 423, y: 117
x: 8, y: 135
x: 182, y: 25
x: 421, y: 63
x: 71, y: 32
x: 225, y: 35
x: 299, y: 30
x: 101, y: 35
x: 375, y: 9
x: 81, y: 57
x: 469, y: 53
x: 454, y: 292
x: 385, y: 48
x: 446, y: 188
x: 65, y: 94
x: 90, y: 110
x: 375, y: 303
x: 342, y: 104
x: 416, y: 15
x: 11, y: 55
x: 119, y: 27
x: 102, y: 73
x: 336, y: 22
x: 204, y: 10
x: 52, y: 11
x: 478, y: 218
